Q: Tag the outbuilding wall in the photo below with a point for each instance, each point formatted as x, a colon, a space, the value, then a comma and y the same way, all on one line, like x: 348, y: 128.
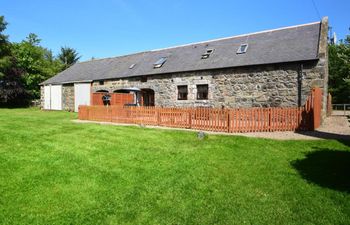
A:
x: 256, y: 86
x: 68, y: 97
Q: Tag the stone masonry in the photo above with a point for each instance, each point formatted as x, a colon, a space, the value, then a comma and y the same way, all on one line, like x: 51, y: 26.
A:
x: 68, y: 97
x: 257, y: 86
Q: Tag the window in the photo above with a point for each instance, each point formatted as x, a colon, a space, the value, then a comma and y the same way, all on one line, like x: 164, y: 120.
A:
x: 182, y: 92
x: 202, y: 91
x: 242, y: 49
x: 207, y: 53
x: 132, y: 66
x: 101, y: 82
x: 160, y: 62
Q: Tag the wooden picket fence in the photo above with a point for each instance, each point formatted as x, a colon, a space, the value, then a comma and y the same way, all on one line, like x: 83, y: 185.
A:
x: 307, y: 117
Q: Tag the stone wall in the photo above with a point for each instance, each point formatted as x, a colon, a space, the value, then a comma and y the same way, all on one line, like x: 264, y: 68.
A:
x: 323, y: 62
x: 255, y: 86
x: 68, y: 97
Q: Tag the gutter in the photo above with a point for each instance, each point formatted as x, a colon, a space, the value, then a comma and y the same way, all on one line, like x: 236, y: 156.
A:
x: 67, y: 82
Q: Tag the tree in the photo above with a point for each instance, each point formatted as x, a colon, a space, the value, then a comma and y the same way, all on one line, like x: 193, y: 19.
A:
x: 68, y: 56
x: 24, y: 65
x: 4, y: 44
x: 12, y: 90
x: 339, y: 71
x: 33, y: 39
x: 37, y: 63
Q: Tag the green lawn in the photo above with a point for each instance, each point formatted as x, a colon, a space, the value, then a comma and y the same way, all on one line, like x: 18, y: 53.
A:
x: 54, y: 171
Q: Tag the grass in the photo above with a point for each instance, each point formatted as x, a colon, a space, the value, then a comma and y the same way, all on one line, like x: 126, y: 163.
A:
x: 54, y: 171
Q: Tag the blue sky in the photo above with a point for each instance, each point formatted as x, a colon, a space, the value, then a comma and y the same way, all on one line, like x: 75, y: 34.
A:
x: 106, y: 28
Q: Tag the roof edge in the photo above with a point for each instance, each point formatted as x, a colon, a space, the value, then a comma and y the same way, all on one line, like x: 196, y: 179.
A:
x: 66, y: 82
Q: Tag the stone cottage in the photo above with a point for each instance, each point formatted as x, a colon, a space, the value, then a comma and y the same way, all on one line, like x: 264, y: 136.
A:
x: 263, y: 69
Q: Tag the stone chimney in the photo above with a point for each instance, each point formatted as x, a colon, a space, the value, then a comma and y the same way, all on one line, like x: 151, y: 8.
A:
x: 323, y: 61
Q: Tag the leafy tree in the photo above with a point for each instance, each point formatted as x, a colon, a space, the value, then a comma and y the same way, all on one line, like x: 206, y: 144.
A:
x: 4, y: 44
x: 12, y: 90
x: 68, y: 56
x: 33, y: 39
x: 37, y: 63
x: 339, y: 71
x: 24, y: 65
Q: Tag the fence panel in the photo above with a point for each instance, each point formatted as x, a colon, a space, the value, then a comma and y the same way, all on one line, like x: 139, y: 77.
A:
x: 97, y: 98
x: 117, y: 99
x: 120, y: 99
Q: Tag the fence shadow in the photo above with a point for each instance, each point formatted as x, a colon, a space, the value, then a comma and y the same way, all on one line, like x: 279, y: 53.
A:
x: 327, y: 168
x: 325, y: 135
x: 345, y: 139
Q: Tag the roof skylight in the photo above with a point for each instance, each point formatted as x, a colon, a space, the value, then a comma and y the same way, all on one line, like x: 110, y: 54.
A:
x: 160, y: 62
x: 207, y: 53
x: 242, y: 49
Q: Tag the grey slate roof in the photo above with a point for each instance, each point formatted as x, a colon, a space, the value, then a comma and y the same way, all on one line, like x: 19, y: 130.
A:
x: 298, y: 43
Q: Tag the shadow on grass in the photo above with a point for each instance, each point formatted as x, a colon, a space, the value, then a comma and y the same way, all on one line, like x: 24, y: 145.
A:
x: 343, y: 138
x: 14, y: 106
x: 326, y: 168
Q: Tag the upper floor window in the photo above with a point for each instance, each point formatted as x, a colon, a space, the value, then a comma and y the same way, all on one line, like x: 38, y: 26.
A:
x: 160, y: 62
x: 101, y: 82
x: 207, y: 53
x: 202, y: 91
x: 242, y: 49
x: 182, y: 92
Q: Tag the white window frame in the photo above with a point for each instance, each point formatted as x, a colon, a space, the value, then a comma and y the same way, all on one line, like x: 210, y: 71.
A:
x: 239, y: 51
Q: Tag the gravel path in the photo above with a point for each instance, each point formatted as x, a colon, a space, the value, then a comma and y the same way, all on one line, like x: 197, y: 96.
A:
x: 334, y: 127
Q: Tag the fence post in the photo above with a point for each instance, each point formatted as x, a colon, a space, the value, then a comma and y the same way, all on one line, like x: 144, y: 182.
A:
x: 329, y: 104
x: 110, y: 113
x: 228, y: 120
x: 344, y: 110
x: 269, y: 113
x: 87, y: 113
x: 158, y: 116
x: 316, y: 107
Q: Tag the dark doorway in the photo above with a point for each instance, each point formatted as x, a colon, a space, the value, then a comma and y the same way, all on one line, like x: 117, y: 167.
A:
x: 147, y: 97
x: 121, y: 91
